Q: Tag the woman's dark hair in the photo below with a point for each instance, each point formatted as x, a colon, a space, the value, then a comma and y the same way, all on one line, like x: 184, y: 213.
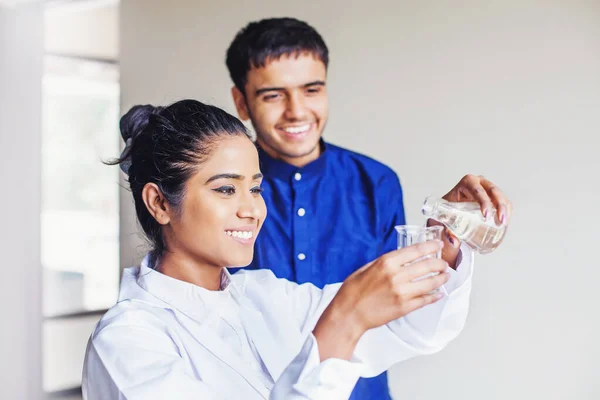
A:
x: 165, y: 145
x: 269, y: 39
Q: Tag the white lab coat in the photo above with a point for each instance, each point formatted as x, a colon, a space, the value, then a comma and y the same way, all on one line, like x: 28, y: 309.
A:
x: 158, y: 341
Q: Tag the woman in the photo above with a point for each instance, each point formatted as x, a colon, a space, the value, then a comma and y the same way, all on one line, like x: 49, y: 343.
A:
x: 184, y: 328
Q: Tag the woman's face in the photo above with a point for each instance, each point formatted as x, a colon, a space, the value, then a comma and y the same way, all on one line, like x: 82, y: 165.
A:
x: 223, y: 209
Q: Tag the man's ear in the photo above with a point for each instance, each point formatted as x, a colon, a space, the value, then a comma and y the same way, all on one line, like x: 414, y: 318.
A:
x: 240, y: 103
x: 156, y: 203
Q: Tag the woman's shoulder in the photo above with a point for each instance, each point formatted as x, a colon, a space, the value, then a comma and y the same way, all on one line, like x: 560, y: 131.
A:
x: 130, y: 316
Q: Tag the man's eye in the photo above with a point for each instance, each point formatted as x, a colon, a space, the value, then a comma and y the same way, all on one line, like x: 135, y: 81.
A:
x: 272, y: 96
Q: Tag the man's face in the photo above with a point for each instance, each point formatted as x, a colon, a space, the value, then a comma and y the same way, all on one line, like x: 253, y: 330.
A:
x: 286, y: 100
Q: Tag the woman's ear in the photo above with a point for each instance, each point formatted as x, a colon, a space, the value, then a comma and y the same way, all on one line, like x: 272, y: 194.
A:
x: 156, y: 203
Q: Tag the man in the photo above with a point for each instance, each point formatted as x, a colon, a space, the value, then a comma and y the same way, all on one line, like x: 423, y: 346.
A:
x: 331, y: 210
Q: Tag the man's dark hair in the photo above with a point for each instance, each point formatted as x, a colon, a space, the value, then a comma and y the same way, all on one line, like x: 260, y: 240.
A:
x: 269, y: 39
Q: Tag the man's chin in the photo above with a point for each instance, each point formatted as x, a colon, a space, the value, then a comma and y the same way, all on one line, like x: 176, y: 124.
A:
x: 301, y: 150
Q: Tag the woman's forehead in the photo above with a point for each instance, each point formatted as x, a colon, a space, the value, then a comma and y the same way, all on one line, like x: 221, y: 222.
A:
x: 237, y: 149
x: 236, y: 154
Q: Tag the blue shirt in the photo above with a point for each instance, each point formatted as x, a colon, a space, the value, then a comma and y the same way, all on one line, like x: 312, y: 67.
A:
x: 326, y: 220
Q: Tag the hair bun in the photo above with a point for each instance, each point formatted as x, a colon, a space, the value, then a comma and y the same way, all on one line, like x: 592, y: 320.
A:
x: 135, y: 120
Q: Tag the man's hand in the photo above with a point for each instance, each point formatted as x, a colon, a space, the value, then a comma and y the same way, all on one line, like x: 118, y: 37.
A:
x: 473, y: 188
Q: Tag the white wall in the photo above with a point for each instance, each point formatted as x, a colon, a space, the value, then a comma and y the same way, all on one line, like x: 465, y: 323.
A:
x: 65, y: 341
x: 20, y: 131
x: 83, y: 29
x: 506, y: 89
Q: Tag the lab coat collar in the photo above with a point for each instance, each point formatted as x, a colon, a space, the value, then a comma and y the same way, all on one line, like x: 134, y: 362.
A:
x: 149, y: 286
x: 197, y: 302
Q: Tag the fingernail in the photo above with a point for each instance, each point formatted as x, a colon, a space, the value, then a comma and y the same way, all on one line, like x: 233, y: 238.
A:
x: 439, y: 295
x: 485, y: 213
x: 503, y: 218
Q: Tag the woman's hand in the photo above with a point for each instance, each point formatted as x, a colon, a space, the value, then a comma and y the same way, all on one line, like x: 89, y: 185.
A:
x: 380, y: 292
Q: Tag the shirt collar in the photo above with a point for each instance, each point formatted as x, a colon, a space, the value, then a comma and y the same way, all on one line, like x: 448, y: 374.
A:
x: 185, y: 296
x: 278, y: 169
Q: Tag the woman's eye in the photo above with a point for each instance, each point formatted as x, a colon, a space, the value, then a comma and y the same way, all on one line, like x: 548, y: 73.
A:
x: 257, y: 190
x: 229, y: 190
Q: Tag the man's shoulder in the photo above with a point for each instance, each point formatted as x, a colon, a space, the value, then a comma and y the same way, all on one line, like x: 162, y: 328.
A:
x: 361, y: 163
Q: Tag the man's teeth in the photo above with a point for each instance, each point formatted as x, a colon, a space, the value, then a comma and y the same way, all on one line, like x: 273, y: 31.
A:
x: 240, y: 234
x: 297, y: 129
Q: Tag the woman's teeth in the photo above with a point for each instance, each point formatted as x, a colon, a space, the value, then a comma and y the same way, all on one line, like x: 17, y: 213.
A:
x: 240, y: 234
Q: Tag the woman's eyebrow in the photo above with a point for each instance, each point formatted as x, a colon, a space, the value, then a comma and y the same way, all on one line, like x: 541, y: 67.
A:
x: 225, y: 176
x: 232, y: 176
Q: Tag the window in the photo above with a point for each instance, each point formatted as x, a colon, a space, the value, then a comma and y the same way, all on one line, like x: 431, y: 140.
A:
x: 80, y: 200
x: 80, y: 195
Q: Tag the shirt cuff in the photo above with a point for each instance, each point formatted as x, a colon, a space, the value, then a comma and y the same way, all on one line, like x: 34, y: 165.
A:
x: 333, y: 378
x: 463, y: 271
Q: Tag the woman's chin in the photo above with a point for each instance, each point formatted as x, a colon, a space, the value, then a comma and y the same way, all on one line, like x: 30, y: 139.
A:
x: 240, y: 262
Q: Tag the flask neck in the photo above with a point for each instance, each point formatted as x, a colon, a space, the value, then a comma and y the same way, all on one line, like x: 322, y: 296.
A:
x: 430, y: 206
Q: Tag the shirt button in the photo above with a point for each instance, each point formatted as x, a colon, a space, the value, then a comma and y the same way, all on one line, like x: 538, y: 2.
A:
x: 301, y: 256
x: 301, y: 212
x: 298, y: 176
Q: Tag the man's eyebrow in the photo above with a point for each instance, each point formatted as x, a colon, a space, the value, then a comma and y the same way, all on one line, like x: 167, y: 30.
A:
x: 269, y: 89
x: 281, y: 89
x: 314, y: 83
